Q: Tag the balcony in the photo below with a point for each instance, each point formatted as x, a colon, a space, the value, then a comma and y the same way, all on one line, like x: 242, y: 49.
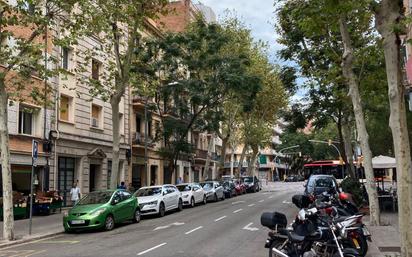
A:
x: 139, y: 140
x: 201, y: 154
x: 236, y: 164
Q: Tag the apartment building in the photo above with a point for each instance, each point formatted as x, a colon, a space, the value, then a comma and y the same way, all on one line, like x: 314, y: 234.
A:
x: 148, y: 167
x: 82, y: 127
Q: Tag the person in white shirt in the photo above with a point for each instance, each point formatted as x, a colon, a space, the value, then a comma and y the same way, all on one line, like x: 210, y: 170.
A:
x: 75, y: 194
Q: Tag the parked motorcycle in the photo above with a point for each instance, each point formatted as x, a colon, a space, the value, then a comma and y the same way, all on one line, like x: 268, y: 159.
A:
x: 310, y: 235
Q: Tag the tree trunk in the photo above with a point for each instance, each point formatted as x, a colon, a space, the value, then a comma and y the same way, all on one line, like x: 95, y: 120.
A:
x: 349, y: 75
x: 342, y: 142
x: 387, y: 17
x: 8, y: 218
x: 242, y: 157
x: 347, y: 140
x: 252, y: 164
x: 209, y: 156
x: 222, y: 156
x: 116, y: 142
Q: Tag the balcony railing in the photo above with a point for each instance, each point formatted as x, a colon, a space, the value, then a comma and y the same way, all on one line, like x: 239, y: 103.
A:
x: 139, y: 139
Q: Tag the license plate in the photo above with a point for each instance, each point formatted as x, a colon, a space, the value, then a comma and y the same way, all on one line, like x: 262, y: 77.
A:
x: 75, y: 222
x: 366, y: 232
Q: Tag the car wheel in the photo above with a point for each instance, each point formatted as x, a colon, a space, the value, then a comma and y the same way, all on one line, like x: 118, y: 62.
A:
x: 136, y: 217
x: 180, y: 205
x: 204, y: 199
x: 162, y: 210
x: 215, y: 199
x: 192, y: 202
x: 109, y: 223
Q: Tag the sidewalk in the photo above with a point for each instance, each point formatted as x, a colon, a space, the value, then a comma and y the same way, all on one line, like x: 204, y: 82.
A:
x: 385, y: 238
x: 42, y: 226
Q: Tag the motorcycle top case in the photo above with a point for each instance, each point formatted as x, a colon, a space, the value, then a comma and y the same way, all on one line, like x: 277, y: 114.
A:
x: 301, y: 201
x: 273, y: 220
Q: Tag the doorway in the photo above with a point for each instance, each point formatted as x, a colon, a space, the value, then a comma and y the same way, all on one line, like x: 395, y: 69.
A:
x: 93, y: 171
x: 153, y: 175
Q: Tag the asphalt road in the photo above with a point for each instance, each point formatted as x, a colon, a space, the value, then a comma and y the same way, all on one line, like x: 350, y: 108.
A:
x: 226, y: 228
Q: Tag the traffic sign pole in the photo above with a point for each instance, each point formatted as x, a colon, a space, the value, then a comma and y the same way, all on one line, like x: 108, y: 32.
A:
x: 34, y: 155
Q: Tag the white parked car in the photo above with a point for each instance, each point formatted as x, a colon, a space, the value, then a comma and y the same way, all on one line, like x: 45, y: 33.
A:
x: 192, y: 193
x: 159, y: 199
x: 214, y: 190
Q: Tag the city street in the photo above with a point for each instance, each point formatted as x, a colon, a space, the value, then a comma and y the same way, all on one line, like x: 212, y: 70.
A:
x: 226, y: 228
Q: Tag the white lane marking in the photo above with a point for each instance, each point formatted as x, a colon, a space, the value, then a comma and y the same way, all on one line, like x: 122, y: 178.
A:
x: 193, y: 230
x: 261, y: 201
x: 266, y: 193
x: 237, y: 211
x: 248, y: 227
x: 151, y: 249
x: 161, y: 227
x: 286, y: 202
x: 238, y: 202
x: 221, y: 218
x: 270, y: 197
x: 250, y: 205
x: 168, y: 226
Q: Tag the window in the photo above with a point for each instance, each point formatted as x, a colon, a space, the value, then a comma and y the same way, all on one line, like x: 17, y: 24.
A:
x: 66, y: 103
x: 138, y: 123
x: 96, y: 116
x: 95, y: 69
x: 125, y: 195
x: 66, y: 58
x: 26, y: 120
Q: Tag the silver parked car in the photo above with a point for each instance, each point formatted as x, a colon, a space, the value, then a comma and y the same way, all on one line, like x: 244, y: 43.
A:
x: 214, y: 190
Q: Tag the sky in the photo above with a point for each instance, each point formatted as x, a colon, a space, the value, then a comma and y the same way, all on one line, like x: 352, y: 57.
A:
x: 258, y: 15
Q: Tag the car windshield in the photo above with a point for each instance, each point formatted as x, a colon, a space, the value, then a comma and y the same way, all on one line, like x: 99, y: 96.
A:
x: 320, y: 182
x: 149, y: 191
x: 96, y: 198
x: 248, y: 180
x: 184, y: 188
x: 207, y: 185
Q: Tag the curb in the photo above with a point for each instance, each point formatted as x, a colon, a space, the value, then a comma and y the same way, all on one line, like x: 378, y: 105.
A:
x: 30, y: 239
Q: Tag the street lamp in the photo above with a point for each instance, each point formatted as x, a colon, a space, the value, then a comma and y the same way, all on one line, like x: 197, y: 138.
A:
x: 279, y: 152
x: 334, y: 146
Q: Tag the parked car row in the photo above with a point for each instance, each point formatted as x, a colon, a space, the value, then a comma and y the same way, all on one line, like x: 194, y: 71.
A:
x: 294, y: 178
x: 103, y: 209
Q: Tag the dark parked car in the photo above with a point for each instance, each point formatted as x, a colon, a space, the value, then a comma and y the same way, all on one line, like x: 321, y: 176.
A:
x: 252, y: 184
x: 317, y: 184
x: 229, y: 189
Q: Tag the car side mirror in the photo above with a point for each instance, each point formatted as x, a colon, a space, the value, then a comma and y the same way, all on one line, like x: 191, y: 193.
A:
x: 164, y: 193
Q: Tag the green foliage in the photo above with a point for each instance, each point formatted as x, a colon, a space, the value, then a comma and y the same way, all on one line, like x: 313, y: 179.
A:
x: 353, y: 186
x: 22, y: 54
x: 193, y: 102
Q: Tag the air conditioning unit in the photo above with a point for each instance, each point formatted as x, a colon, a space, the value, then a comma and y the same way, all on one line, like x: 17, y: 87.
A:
x: 95, y: 123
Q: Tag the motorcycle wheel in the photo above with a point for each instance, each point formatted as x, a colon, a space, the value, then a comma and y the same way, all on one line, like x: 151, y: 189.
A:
x: 362, y: 243
x: 277, y: 244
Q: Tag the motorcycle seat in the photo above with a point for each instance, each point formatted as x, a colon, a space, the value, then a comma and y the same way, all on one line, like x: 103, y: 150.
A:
x: 295, y: 237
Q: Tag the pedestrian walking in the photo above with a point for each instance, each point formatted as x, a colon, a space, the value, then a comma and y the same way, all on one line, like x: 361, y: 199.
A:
x: 74, y: 194
x: 122, y: 186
